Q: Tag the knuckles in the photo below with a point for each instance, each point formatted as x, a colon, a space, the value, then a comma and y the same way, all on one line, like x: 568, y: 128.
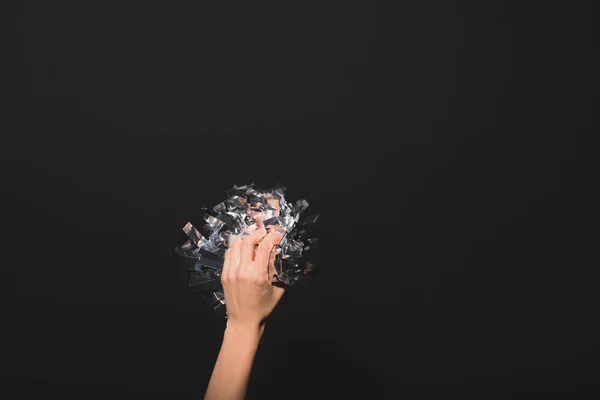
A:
x: 242, y: 276
x: 254, y: 237
x: 259, y: 280
x: 235, y: 244
x: 246, y: 277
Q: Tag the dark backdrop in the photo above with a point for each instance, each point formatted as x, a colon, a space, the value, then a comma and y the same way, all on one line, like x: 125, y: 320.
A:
x: 435, y: 138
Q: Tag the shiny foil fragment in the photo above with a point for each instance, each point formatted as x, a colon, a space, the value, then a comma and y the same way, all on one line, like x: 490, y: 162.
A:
x: 206, y: 240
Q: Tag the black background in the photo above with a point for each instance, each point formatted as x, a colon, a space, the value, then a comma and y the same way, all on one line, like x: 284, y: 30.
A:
x: 436, y: 139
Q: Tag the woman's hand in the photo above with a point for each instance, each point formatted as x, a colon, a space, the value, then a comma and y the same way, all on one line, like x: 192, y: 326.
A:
x: 249, y: 298
x: 247, y: 270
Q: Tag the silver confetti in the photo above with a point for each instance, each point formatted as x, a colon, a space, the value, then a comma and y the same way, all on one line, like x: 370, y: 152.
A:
x: 228, y: 220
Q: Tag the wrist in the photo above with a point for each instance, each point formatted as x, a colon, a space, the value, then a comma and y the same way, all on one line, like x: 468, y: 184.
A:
x: 244, y: 329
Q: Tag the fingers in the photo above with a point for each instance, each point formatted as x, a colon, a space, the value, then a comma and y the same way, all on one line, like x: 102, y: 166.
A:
x: 225, y: 271
x: 227, y: 260
x: 271, y: 271
x: 234, y: 252
x: 237, y: 245
x: 252, y: 255
x: 265, y: 251
x: 250, y: 241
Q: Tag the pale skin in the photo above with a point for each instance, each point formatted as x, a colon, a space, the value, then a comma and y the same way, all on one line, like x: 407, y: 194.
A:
x: 250, y: 299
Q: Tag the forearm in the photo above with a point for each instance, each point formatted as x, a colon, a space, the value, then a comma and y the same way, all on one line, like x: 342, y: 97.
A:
x: 230, y: 375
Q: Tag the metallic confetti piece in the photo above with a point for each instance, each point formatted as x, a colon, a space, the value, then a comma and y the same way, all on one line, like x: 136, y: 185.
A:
x: 229, y: 220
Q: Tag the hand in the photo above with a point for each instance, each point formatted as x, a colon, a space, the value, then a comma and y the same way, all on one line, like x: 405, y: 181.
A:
x: 250, y: 298
x: 247, y: 270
